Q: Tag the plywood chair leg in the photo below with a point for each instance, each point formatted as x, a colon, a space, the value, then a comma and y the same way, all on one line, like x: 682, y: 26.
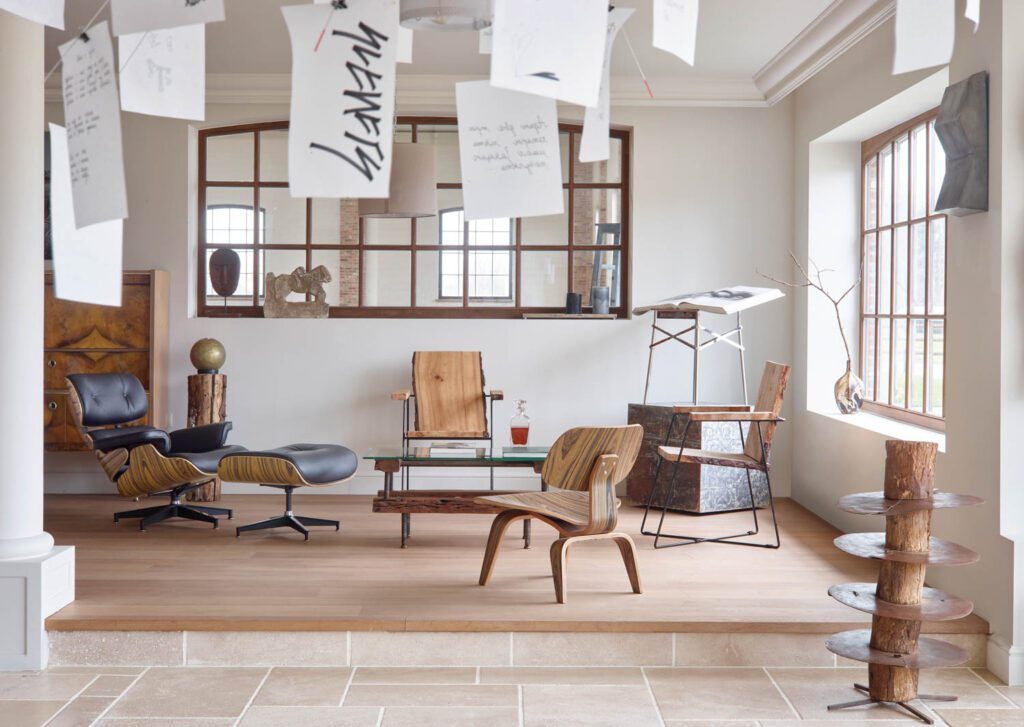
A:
x: 501, y: 523
x: 628, y: 550
x: 559, y: 552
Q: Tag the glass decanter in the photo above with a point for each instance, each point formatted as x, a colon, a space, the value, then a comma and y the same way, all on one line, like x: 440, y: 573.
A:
x: 520, y: 425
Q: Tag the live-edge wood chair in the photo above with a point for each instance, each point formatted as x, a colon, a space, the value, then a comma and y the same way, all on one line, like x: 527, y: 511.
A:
x: 581, y: 471
x: 755, y: 457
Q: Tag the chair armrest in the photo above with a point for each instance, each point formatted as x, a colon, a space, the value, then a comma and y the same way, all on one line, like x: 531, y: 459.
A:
x: 203, y: 438
x: 107, y: 440
x: 497, y: 395
x: 401, y: 395
x: 734, y: 416
x: 691, y: 408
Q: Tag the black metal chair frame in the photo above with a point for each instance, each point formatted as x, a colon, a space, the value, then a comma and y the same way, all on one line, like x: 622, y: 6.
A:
x: 406, y: 439
x: 289, y: 519
x: 724, y: 539
x: 175, y: 508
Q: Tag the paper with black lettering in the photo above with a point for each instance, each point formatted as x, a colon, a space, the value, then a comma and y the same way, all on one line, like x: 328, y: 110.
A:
x: 136, y: 16
x: 87, y: 260
x: 92, y: 116
x: 163, y: 72
x: 594, y: 143
x: 404, y: 52
x: 553, y: 49
x: 47, y: 12
x: 509, y: 153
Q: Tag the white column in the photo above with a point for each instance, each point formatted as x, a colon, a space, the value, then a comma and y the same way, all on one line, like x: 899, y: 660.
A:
x: 35, y: 578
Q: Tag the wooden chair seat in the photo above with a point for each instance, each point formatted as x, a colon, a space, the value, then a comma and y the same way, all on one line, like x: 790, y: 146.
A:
x: 703, y: 456
x: 568, y: 506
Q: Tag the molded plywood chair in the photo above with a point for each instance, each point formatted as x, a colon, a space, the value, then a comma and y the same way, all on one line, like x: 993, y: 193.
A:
x: 754, y: 457
x: 143, y: 460
x: 581, y: 470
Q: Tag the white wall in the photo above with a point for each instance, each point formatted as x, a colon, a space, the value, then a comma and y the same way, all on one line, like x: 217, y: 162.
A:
x: 834, y: 457
x: 712, y: 202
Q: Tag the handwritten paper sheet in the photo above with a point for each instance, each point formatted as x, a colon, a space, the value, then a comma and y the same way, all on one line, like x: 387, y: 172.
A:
x: 508, y: 148
x: 133, y: 16
x: 552, y: 49
x: 972, y: 11
x: 924, y: 34
x: 164, y: 72
x: 47, y: 12
x: 343, y: 98
x: 594, y: 145
x: 87, y: 260
x: 675, y: 27
x: 93, y: 119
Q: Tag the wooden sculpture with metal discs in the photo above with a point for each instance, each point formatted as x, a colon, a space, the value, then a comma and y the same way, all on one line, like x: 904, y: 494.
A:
x: 893, y: 647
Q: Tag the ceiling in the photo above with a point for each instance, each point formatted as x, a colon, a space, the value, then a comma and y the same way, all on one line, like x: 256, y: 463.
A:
x: 735, y: 39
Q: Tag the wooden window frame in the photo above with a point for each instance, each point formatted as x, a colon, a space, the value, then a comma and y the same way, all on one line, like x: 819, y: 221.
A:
x: 871, y: 149
x: 464, y: 249
x: 211, y: 308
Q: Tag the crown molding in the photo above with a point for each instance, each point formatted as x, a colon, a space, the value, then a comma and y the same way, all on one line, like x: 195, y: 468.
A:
x: 416, y: 91
x: 839, y: 27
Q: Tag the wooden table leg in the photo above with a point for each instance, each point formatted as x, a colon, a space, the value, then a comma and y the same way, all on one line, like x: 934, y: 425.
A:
x: 406, y: 518
x: 527, y: 528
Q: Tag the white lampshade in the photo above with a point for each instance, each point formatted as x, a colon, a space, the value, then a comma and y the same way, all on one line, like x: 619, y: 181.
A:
x: 446, y: 15
x: 413, y: 185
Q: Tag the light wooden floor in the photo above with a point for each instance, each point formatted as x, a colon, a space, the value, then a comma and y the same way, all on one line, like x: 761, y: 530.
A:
x: 186, y: 576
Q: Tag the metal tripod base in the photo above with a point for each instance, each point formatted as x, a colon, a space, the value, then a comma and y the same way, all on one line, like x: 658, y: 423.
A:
x: 893, y: 705
x: 152, y: 515
x: 297, y: 523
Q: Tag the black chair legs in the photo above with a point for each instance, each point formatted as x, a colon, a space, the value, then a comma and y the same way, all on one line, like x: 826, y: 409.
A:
x: 175, y: 508
x: 289, y: 519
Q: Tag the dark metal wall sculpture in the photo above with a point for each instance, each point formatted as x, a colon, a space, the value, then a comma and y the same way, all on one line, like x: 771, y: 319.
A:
x: 962, y: 128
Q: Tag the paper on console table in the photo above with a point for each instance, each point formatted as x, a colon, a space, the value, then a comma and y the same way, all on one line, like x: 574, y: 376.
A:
x: 724, y: 301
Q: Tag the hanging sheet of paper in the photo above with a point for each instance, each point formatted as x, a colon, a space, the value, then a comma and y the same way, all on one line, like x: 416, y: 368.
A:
x: 509, y: 153
x: 47, y: 12
x: 343, y: 98
x: 92, y: 116
x: 133, y: 16
x: 594, y: 144
x: 404, y: 52
x: 972, y: 11
x: 486, y: 40
x: 552, y: 49
x: 925, y: 30
x: 675, y: 27
x: 87, y: 260
x: 164, y: 72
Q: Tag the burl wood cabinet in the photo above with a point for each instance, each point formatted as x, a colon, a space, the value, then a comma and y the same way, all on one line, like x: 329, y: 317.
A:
x: 80, y: 338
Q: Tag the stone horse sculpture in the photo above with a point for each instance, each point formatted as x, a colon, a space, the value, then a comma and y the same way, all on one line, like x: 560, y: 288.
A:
x: 279, y: 287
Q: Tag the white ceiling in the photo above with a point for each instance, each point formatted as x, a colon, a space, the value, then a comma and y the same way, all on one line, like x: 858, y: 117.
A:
x: 735, y: 39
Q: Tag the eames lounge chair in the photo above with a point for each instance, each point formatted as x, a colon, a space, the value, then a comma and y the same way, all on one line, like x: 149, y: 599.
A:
x: 581, y: 470
x: 144, y: 460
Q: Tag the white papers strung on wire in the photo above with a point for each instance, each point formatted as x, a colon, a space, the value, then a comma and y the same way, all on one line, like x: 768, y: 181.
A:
x: 486, y: 40
x: 594, y: 144
x: 972, y: 11
x: 404, y: 52
x: 133, y: 16
x: 87, y: 260
x: 164, y: 72
x: 343, y: 98
x: 675, y: 27
x: 924, y: 34
x: 47, y: 12
x: 552, y: 49
x: 508, y: 149
x: 93, y: 119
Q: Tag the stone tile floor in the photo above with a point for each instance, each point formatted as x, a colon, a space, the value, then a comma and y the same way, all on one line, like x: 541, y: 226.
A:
x: 486, y: 696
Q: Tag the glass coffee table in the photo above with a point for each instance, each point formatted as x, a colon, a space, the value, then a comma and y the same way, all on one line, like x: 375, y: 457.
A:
x: 407, y: 501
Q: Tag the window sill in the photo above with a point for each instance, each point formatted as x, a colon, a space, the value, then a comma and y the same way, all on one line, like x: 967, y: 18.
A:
x: 570, y: 316
x: 887, y: 427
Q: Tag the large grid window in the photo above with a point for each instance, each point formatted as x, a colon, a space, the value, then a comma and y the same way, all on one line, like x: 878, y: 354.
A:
x: 444, y: 266
x: 903, y: 296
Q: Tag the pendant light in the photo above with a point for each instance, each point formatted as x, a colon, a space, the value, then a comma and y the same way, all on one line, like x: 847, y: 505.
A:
x: 445, y: 15
x: 413, y: 191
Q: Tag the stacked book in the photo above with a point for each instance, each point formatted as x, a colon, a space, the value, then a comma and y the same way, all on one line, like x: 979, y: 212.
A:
x: 449, y: 450
x: 525, y: 452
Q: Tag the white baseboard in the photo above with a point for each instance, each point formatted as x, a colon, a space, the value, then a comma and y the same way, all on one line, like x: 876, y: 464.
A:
x: 30, y: 590
x: 1006, y: 661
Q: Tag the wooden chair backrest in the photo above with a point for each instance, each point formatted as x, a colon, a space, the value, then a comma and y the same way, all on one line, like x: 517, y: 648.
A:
x: 769, y: 398
x: 449, y: 388
x: 572, y: 456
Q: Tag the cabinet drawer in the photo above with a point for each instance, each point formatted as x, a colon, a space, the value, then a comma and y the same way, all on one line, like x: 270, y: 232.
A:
x: 58, y: 364
x: 80, y: 325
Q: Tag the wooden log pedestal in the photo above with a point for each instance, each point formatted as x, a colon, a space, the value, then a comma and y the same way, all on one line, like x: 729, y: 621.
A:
x: 893, y: 648
x: 207, y: 400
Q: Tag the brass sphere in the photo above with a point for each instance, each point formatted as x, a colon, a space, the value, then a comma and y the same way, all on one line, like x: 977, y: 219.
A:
x: 207, y: 355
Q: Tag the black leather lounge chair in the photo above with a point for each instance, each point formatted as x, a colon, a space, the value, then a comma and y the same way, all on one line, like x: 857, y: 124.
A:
x: 143, y: 460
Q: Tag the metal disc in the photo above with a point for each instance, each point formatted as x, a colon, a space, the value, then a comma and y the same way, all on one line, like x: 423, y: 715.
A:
x: 875, y: 503
x: 872, y: 545
x: 931, y: 653
x: 935, y: 605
